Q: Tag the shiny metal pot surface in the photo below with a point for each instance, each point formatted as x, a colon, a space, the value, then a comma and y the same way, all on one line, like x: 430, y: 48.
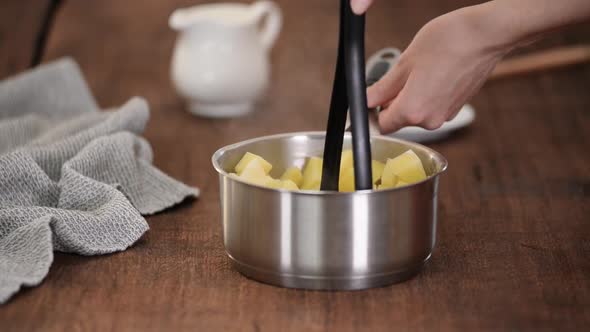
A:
x: 326, y: 240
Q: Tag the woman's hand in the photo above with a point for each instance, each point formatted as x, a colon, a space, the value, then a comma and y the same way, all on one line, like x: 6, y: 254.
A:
x: 452, y: 56
x: 447, y: 62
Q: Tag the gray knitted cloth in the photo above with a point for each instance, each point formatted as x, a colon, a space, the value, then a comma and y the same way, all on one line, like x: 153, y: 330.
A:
x: 72, y: 178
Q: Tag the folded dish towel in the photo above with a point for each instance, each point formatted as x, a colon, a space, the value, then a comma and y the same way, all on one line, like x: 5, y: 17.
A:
x: 72, y: 178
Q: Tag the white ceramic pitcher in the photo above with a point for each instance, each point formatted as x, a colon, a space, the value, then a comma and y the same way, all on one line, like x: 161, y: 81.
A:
x: 220, y: 62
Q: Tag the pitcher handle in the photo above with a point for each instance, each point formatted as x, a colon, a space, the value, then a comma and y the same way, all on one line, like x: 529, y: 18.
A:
x: 274, y: 21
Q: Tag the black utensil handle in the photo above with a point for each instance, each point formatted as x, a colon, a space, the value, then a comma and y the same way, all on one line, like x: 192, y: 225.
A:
x: 354, y: 57
x: 337, y: 116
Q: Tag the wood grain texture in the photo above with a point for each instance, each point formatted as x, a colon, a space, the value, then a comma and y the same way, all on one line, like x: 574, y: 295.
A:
x: 514, y: 233
x: 542, y: 60
x: 21, y: 23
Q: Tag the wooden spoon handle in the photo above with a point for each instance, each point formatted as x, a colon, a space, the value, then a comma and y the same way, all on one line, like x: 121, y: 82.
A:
x: 543, y: 60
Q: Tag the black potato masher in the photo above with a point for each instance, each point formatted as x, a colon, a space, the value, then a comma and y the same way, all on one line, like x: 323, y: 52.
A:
x: 349, y: 89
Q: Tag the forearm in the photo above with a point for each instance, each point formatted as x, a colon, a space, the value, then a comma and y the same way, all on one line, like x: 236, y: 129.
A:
x: 509, y: 23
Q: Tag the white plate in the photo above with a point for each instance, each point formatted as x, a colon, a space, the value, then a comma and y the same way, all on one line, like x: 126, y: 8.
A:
x: 416, y: 134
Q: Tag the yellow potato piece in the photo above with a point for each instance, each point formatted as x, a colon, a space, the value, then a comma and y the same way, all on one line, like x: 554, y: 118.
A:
x: 247, y: 159
x: 289, y: 185
x: 254, y: 171
x: 269, y: 182
x: 312, y: 174
x: 294, y: 175
x: 401, y: 183
x: 406, y: 167
x: 347, y: 160
x: 388, y: 185
x: 377, y: 167
x: 346, y: 180
x: 388, y: 178
x: 273, y: 183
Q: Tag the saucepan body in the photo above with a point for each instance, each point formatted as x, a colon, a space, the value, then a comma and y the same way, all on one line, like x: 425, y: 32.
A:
x: 326, y: 240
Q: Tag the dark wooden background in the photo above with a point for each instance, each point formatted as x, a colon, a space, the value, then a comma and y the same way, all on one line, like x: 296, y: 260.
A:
x: 514, y: 234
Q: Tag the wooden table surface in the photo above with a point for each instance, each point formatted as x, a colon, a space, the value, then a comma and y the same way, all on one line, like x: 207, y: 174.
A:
x: 513, y: 241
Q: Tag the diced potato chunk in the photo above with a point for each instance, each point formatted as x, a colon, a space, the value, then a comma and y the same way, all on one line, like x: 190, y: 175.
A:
x: 388, y: 185
x: 312, y: 174
x: 401, y: 183
x: 273, y: 183
x: 294, y: 175
x: 347, y: 160
x: 254, y: 172
x: 406, y: 167
x: 389, y: 178
x: 346, y: 180
x: 289, y: 185
x: 247, y: 159
x: 377, y: 169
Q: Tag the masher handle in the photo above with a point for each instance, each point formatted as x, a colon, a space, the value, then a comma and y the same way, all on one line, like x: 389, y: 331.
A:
x: 354, y: 58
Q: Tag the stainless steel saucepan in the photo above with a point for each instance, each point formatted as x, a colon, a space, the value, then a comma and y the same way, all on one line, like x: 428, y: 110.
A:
x: 326, y: 240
